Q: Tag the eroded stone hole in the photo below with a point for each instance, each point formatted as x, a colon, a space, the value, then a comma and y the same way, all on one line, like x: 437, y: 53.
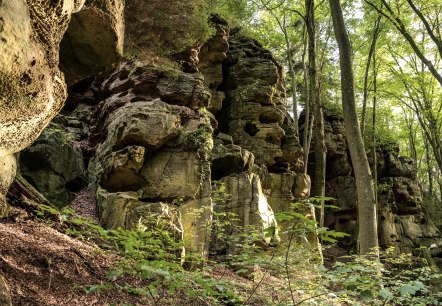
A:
x: 268, y: 118
x: 251, y: 129
x: 124, y: 74
x: 89, y: 46
x: 26, y: 79
x: 75, y: 185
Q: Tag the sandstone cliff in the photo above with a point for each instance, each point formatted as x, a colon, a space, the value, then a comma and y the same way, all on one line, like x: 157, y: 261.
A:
x: 149, y: 141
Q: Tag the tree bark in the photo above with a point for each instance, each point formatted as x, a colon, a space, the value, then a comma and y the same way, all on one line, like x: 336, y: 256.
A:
x: 367, y: 214
x: 22, y: 191
x: 375, y: 100
x: 319, y: 149
x: 367, y: 70
x: 308, y: 118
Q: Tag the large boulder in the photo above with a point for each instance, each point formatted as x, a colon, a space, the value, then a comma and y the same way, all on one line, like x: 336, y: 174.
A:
x: 32, y: 88
x: 58, y: 179
x: 153, y: 151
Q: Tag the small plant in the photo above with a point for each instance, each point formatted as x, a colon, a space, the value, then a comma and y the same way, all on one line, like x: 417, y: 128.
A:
x: 148, y: 253
x: 292, y: 269
x: 395, y: 280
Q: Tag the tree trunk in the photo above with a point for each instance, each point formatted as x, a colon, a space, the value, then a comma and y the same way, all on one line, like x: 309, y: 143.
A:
x: 367, y: 214
x: 429, y: 166
x: 320, y: 149
x: 367, y: 70
x: 375, y: 100
x: 294, y: 85
x: 22, y: 191
x: 308, y: 119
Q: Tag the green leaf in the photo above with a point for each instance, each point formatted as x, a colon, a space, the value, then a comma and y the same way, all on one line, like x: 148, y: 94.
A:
x: 386, y: 294
x: 367, y: 295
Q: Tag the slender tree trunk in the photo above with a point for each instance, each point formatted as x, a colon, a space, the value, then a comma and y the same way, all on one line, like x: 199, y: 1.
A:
x: 308, y: 120
x: 320, y: 149
x: 412, y: 135
x: 293, y: 81
x: 429, y: 166
x: 367, y: 214
x: 375, y: 160
x: 367, y: 70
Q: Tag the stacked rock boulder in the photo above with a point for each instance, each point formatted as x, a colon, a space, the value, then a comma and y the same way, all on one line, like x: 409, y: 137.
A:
x: 153, y: 143
x: 255, y: 116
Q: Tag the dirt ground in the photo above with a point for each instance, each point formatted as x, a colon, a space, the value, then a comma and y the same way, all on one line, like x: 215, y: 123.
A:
x: 43, y: 266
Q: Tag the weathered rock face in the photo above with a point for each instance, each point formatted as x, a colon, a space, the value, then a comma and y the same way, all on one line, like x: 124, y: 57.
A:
x: 32, y: 88
x: 152, y: 154
x: 210, y: 58
x: 146, y: 133
x: 248, y: 206
x: 403, y: 220
x: 57, y: 178
x: 229, y: 159
x: 255, y: 111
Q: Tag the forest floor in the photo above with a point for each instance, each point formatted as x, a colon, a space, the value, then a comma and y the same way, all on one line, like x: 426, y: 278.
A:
x: 44, y: 266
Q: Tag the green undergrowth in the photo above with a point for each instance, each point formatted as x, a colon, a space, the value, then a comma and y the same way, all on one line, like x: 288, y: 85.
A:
x: 289, y: 273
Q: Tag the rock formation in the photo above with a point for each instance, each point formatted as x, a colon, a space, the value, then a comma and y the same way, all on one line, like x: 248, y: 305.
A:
x: 403, y: 220
x: 153, y: 139
x: 32, y: 88
x: 254, y: 114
